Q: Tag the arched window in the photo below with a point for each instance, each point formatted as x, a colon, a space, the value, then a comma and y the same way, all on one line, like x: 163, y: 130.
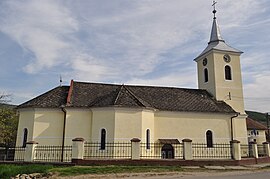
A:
x: 25, y: 134
x: 103, y: 139
x: 147, y: 139
x: 209, y: 138
x: 228, y: 73
x: 205, y: 75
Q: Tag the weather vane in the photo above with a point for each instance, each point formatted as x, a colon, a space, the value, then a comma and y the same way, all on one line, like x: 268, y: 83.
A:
x: 214, y: 6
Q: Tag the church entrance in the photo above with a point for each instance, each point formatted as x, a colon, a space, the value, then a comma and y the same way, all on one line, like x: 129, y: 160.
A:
x: 167, y: 151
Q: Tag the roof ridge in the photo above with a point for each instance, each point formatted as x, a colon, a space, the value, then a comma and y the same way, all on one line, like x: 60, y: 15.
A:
x: 117, y: 97
x: 138, y: 85
x: 137, y: 98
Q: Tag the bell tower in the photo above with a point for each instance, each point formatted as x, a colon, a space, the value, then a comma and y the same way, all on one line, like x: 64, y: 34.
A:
x: 219, y: 70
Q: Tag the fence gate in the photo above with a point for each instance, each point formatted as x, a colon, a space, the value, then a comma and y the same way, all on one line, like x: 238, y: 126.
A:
x: 167, y: 151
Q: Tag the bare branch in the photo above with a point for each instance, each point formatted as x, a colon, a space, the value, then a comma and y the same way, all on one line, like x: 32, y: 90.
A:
x: 4, y: 98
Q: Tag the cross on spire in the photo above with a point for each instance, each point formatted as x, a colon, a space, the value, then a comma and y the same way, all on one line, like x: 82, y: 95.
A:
x: 214, y: 6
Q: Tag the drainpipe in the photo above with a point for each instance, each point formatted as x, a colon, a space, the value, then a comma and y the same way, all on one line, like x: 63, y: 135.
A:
x: 236, y: 115
x: 64, y: 131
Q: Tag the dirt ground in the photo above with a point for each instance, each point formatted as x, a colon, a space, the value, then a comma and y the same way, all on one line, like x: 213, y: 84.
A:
x: 165, y: 175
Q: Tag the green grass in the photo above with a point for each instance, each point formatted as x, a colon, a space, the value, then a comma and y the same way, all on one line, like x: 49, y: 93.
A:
x: 7, y: 171
x: 10, y: 170
x: 79, y: 170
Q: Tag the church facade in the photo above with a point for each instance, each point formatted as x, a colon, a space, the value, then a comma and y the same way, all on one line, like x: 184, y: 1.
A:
x: 103, y: 113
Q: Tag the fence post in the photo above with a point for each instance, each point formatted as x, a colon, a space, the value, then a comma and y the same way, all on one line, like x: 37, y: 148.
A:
x: 135, y: 149
x: 77, y: 150
x: 236, y: 150
x: 266, y: 149
x: 187, y: 149
x: 254, y: 150
x: 29, y: 155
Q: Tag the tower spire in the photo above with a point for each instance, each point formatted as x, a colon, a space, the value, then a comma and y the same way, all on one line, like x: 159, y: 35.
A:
x: 215, y: 33
x: 216, y: 42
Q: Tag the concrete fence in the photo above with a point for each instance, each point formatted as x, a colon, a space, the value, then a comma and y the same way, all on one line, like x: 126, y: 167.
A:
x: 187, y: 151
x: 211, y: 153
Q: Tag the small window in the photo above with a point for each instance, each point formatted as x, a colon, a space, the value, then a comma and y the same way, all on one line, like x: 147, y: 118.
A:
x: 147, y: 139
x: 103, y: 139
x: 25, y: 134
x: 209, y: 138
x: 205, y: 75
x: 228, y: 73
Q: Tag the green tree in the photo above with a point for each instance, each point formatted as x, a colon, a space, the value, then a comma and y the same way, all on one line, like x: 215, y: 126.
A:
x: 8, y: 122
x: 8, y: 126
x: 4, y: 98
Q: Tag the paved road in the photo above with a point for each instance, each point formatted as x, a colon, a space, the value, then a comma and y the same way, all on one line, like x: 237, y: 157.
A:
x: 259, y: 175
x: 223, y: 175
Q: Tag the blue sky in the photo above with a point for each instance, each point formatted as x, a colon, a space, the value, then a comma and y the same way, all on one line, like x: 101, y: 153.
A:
x: 147, y: 42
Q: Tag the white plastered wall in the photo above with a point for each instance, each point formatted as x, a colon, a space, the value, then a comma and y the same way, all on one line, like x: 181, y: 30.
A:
x: 78, y: 124
x: 183, y: 125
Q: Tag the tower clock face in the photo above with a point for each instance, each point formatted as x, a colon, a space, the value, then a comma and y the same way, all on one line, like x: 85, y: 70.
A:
x: 204, y: 62
x: 227, y: 58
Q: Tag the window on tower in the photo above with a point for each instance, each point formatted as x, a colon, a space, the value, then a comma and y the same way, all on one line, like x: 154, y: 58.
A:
x: 228, y: 73
x: 205, y: 75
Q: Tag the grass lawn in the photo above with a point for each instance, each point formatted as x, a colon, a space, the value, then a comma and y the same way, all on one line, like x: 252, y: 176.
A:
x: 78, y: 170
x: 8, y: 170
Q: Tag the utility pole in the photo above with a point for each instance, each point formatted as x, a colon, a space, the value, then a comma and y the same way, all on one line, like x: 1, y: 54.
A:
x: 268, y: 127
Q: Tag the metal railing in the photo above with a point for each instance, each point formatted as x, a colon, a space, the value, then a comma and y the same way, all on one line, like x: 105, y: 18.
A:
x: 53, y: 153
x: 218, y: 151
x: 246, y: 150
x: 12, y: 153
x: 155, y: 151
x: 113, y: 150
x: 261, y: 150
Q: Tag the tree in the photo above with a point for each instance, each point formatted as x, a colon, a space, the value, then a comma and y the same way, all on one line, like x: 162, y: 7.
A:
x: 8, y: 123
x: 8, y: 126
x: 4, y: 98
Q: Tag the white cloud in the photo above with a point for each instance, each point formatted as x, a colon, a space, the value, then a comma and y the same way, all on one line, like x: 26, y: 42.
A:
x: 172, y: 80
x: 130, y: 37
x: 41, y: 28
x: 136, y: 42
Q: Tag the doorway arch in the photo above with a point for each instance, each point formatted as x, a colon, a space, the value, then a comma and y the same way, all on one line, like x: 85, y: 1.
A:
x: 167, y: 151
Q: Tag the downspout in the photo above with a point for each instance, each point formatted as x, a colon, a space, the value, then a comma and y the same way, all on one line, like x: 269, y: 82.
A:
x: 64, y: 131
x: 236, y: 115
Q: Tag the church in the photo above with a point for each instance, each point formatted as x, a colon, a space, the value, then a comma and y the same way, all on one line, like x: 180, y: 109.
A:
x: 213, y: 113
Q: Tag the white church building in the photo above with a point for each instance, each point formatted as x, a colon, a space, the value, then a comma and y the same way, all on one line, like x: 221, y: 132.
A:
x: 97, y: 112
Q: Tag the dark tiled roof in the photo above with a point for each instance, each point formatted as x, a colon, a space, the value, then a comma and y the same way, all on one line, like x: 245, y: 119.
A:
x: 252, y: 124
x: 53, y: 99
x: 161, y: 98
x: 103, y: 95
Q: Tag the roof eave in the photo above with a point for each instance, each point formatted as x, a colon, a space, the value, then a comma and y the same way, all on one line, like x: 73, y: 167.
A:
x: 213, y: 49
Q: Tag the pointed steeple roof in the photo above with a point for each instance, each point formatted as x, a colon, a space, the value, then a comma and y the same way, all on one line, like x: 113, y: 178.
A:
x: 215, y: 32
x: 216, y: 41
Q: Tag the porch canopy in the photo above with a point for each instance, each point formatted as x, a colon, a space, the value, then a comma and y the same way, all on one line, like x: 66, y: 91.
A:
x: 169, y: 141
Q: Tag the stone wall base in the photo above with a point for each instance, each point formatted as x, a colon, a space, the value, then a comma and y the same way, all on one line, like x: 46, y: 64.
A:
x: 167, y: 162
